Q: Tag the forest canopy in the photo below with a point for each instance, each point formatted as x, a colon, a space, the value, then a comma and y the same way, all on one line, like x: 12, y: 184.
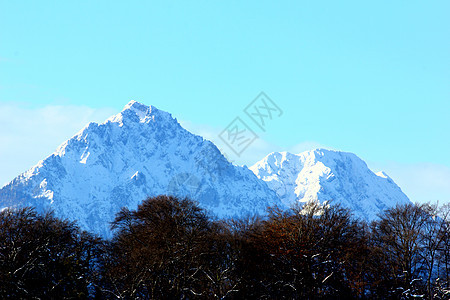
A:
x: 170, y: 248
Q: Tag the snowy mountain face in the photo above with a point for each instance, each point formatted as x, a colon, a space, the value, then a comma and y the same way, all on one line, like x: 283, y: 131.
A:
x: 143, y: 152
x: 137, y: 153
x: 326, y: 175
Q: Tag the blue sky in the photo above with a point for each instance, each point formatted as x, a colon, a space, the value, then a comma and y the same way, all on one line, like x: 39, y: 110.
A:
x: 369, y: 78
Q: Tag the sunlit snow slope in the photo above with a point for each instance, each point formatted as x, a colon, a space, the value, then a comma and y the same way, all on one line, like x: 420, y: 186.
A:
x: 144, y: 152
x: 137, y: 153
x: 327, y: 175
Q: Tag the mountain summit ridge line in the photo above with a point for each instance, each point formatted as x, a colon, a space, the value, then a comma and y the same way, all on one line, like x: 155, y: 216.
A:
x: 143, y: 151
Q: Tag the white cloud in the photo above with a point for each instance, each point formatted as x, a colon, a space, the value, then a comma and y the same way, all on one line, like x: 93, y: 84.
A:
x: 28, y: 135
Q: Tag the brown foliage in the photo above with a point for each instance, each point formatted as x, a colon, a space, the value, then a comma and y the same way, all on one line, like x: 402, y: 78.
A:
x: 169, y: 248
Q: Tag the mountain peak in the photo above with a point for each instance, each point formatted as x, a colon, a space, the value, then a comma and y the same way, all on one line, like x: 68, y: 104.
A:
x: 136, y: 112
x: 143, y: 151
x: 325, y: 175
x: 138, y: 107
x: 318, y: 153
x: 139, y: 152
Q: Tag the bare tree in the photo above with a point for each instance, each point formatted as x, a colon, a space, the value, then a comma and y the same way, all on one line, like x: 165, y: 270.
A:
x: 158, y: 250
x: 44, y: 257
x: 398, y: 249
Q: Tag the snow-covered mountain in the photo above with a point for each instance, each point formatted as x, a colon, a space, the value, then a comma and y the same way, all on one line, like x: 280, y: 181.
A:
x: 140, y: 152
x: 326, y: 175
x: 143, y: 151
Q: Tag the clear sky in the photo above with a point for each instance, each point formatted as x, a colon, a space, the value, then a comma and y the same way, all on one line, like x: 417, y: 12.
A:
x: 369, y: 78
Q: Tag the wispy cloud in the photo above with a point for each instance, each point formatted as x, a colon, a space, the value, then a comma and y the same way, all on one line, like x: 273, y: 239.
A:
x: 28, y: 135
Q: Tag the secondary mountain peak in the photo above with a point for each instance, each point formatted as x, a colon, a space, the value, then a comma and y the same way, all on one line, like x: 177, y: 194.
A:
x: 329, y: 175
x: 143, y: 151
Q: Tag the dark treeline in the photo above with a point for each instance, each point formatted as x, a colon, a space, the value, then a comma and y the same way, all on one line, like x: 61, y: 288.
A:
x: 171, y: 249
